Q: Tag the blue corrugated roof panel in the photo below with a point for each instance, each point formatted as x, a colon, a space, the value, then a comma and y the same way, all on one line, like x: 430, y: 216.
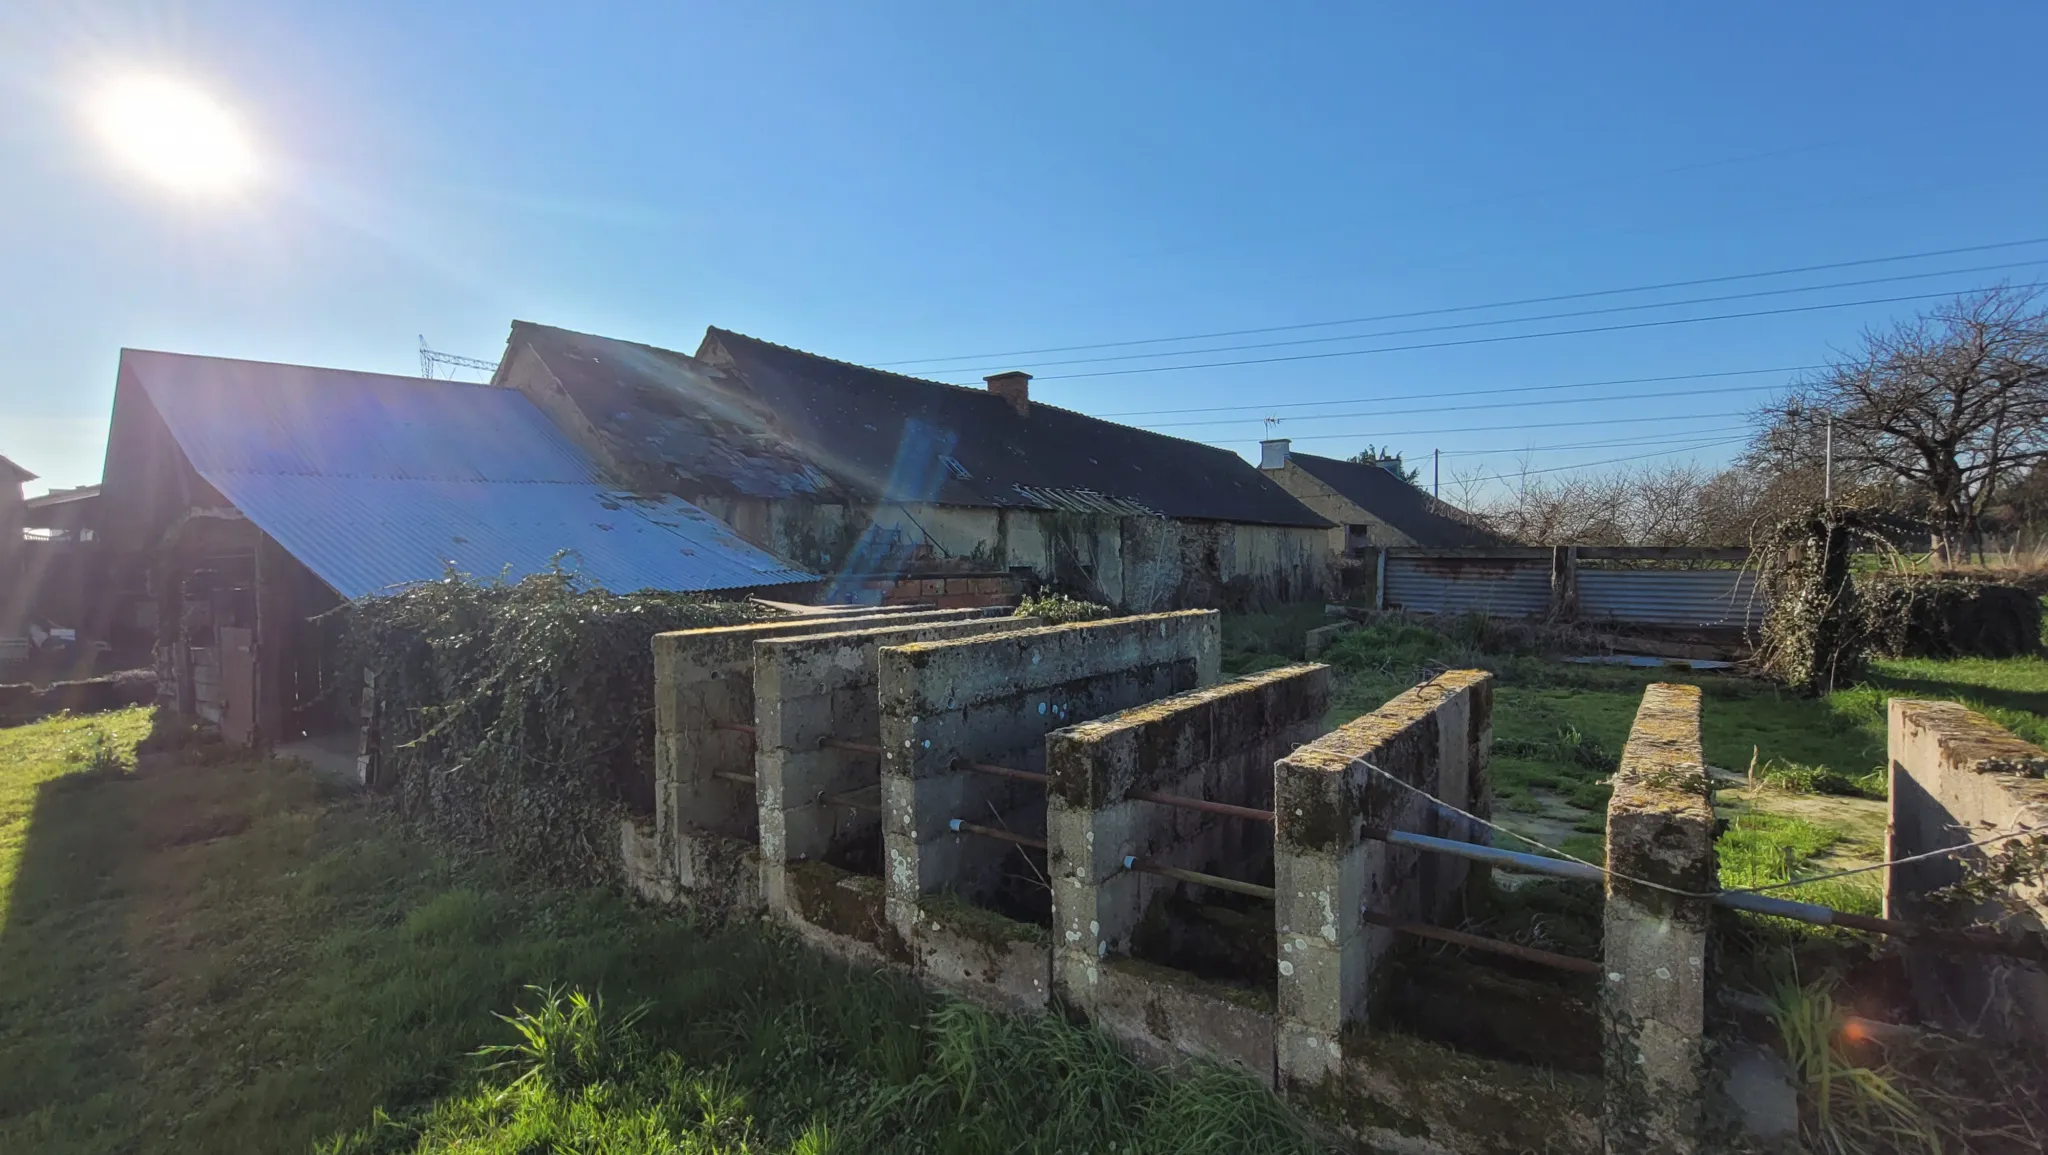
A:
x: 375, y: 481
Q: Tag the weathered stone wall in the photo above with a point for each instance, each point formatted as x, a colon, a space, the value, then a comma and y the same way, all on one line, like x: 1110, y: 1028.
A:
x: 1958, y: 777
x: 1660, y: 839
x: 1145, y: 564
x: 807, y: 689
x: 994, y: 700
x: 1435, y: 738
x: 705, y: 827
x: 1217, y: 744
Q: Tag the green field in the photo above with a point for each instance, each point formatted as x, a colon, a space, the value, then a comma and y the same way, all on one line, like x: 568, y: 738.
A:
x: 207, y: 953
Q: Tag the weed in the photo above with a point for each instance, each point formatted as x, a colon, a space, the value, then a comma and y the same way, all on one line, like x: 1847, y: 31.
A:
x: 1058, y: 609
x: 567, y: 1041
x: 1848, y: 1107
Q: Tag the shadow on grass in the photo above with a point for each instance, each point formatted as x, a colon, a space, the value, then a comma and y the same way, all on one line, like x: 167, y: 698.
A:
x: 1906, y: 686
x: 70, y: 999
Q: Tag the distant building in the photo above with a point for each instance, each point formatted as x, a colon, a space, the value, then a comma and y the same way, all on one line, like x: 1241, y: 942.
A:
x: 1371, y: 506
x: 855, y: 472
x: 13, y: 587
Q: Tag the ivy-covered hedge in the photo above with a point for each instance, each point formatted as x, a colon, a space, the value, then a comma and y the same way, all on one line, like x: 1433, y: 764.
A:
x: 520, y: 717
x: 1937, y: 616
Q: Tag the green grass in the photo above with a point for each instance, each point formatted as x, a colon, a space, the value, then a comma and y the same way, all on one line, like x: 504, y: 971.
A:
x: 217, y: 953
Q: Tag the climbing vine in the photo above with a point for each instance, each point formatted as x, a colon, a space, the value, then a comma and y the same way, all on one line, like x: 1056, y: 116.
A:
x: 519, y: 716
x: 1814, y: 634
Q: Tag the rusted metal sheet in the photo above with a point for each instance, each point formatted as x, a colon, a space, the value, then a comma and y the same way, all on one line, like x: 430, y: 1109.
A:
x: 1684, y: 599
x: 1501, y: 587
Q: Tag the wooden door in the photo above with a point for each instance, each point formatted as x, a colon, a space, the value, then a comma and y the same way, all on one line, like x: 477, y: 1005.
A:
x: 238, y: 685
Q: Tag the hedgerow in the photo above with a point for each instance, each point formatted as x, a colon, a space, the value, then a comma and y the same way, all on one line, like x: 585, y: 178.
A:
x: 519, y: 716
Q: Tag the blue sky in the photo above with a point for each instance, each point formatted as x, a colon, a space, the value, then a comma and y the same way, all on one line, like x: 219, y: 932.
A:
x: 892, y: 182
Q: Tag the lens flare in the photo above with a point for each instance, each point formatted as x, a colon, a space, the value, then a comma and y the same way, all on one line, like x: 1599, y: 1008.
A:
x: 174, y: 134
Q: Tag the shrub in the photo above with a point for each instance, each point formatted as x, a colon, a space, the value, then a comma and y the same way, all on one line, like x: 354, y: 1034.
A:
x: 520, y: 715
x: 1938, y: 616
x: 1057, y: 609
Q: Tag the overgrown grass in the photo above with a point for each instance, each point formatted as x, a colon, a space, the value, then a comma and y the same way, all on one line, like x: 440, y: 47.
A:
x: 215, y: 953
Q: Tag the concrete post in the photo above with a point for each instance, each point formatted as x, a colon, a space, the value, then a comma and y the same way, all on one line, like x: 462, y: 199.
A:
x: 1660, y: 834
x: 1326, y: 799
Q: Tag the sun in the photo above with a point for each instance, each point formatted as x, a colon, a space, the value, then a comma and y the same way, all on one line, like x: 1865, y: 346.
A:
x: 174, y: 134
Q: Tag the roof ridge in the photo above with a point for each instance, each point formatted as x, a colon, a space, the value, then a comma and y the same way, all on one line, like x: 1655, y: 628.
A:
x: 410, y: 380
x: 968, y: 389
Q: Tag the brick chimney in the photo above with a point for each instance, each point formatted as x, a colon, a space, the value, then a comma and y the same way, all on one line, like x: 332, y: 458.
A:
x: 1273, y: 454
x: 1014, y: 387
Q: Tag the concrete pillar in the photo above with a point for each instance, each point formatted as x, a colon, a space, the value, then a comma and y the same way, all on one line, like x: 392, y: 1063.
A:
x: 1957, y: 777
x: 1326, y: 799
x: 825, y: 686
x: 1660, y: 831
x: 1217, y: 744
x: 705, y: 826
x: 994, y: 700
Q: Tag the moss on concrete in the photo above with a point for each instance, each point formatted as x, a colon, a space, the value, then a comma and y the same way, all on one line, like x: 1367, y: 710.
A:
x: 951, y: 912
x: 1151, y: 972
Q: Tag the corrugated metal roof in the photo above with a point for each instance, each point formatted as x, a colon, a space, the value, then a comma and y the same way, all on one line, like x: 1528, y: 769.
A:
x: 375, y: 481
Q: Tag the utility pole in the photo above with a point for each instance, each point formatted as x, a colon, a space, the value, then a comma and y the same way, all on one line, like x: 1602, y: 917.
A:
x: 1436, y: 474
x: 1827, y: 483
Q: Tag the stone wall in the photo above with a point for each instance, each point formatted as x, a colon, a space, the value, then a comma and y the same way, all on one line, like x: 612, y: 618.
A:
x: 705, y: 827
x: 820, y: 813
x: 963, y: 903
x: 1217, y: 744
x: 1958, y: 777
x: 1660, y: 836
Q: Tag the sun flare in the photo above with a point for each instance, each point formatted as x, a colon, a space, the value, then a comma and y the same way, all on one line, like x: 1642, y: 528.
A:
x: 174, y: 134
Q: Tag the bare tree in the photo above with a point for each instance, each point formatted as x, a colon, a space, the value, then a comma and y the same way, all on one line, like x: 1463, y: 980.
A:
x: 1949, y: 406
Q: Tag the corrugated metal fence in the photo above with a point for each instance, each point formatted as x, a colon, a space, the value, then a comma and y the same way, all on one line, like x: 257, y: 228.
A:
x: 1538, y: 582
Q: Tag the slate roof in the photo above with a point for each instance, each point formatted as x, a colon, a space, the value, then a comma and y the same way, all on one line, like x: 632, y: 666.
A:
x: 1394, y: 501
x: 748, y: 417
x: 375, y: 481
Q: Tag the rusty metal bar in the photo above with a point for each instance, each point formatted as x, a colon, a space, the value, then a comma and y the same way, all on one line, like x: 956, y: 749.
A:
x: 849, y: 747
x: 746, y: 780
x: 1198, y: 878
x: 735, y: 727
x: 1563, y: 962
x: 999, y: 771
x: 959, y: 827
x: 1227, y: 810
x: 851, y: 803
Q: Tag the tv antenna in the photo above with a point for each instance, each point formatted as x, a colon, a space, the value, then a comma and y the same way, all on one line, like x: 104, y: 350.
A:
x: 432, y: 357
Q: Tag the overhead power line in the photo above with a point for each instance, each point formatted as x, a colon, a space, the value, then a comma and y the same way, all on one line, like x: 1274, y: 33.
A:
x: 1601, y: 312
x: 1379, y: 433
x: 1619, y: 460
x: 1269, y: 407
x: 1447, y: 310
x: 1481, y: 405
x: 1665, y: 323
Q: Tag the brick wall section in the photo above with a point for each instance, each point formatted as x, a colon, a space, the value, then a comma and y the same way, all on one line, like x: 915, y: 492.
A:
x: 826, y: 686
x: 702, y: 824
x: 994, y: 700
x: 952, y: 591
x: 1436, y: 737
x: 1218, y: 744
x: 1660, y: 830
x: 1958, y: 777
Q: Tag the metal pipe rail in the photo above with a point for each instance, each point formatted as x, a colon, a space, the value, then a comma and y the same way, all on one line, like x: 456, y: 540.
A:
x: 1563, y: 962
x: 1143, y: 866
x: 1000, y: 771
x: 1982, y: 942
x: 958, y: 826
